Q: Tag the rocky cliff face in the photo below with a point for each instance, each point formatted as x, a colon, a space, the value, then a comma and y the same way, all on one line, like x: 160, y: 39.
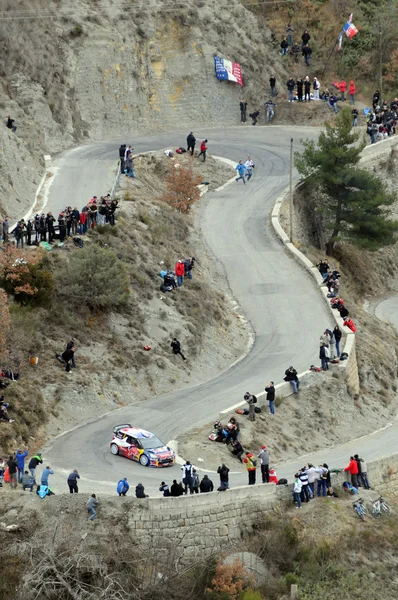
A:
x: 99, y: 71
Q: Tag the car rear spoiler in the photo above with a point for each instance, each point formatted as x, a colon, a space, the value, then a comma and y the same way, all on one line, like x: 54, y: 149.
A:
x: 119, y: 427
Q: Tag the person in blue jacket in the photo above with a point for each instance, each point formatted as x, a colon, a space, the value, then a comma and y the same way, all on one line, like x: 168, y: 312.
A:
x: 123, y: 487
x: 241, y: 169
x: 20, y: 458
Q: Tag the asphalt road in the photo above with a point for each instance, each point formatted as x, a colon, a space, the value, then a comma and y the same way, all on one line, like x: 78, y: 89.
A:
x: 276, y: 294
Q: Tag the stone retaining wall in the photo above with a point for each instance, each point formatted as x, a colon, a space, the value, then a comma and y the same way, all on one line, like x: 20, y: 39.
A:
x: 205, y: 524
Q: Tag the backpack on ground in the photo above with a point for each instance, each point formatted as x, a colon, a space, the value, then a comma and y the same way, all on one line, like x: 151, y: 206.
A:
x: 257, y: 409
x: 282, y: 482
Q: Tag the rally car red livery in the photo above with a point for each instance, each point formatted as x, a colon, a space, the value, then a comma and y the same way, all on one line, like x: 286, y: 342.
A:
x: 142, y: 446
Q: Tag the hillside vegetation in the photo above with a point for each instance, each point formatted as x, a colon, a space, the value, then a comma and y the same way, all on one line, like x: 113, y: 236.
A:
x: 106, y: 295
x: 360, y: 58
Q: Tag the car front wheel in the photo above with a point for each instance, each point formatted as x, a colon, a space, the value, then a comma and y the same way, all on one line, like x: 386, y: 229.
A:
x: 144, y: 460
x: 114, y: 449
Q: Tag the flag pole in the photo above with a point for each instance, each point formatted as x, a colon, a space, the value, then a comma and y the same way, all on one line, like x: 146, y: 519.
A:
x: 333, y: 49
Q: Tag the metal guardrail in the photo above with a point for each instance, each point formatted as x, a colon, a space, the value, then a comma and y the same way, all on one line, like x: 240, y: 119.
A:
x: 116, y: 182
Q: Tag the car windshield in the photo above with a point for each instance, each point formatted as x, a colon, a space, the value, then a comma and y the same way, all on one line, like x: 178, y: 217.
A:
x: 152, y: 442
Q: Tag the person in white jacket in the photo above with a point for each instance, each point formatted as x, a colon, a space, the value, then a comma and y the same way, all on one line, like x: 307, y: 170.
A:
x: 311, y: 473
x: 249, y: 164
x: 297, y: 490
x: 316, y: 86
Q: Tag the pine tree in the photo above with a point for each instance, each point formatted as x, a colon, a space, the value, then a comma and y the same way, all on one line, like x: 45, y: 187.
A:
x: 356, y: 201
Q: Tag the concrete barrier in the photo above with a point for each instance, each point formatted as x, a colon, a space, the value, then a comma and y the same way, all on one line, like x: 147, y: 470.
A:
x: 349, y: 346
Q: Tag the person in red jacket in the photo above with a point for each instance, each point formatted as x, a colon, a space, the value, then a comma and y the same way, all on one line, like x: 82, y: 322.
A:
x: 352, y: 90
x: 251, y: 467
x: 343, y: 89
x: 83, y: 222
x: 203, y: 149
x: 179, y: 271
x: 353, y: 470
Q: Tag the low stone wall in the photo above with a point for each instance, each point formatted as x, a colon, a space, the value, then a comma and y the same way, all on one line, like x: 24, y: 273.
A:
x: 206, y: 524
x: 203, y: 524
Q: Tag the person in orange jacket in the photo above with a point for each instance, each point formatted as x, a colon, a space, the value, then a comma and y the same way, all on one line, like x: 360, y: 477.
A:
x: 352, y: 90
x: 203, y: 149
x: 251, y: 467
x: 180, y: 271
x: 353, y: 470
x: 342, y: 88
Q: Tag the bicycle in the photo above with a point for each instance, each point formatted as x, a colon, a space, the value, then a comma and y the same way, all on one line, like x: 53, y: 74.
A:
x: 360, y: 508
x: 380, y: 507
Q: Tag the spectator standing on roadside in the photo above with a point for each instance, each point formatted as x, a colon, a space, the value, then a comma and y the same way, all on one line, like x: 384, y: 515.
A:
x: 206, y: 485
x: 72, y: 482
x: 311, y: 473
x: 305, y: 494
x: 363, y: 471
x: 352, y: 90
x: 289, y: 34
x: 307, y: 89
x: 354, y: 113
x: 272, y: 85
x: 337, y: 336
x: 316, y: 85
x: 12, y: 469
x: 307, y: 51
x: 122, y: 152
x: 223, y: 472
x: 92, y: 504
x: 322, y: 479
x: 243, y: 109
x: 295, y: 52
x: 176, y: 346
x: 324, y: 356
x: 45, y: 475
x: 62, y: 227
x: 191, y: 141
x: 251, y: 399
x: 297, y: 487
x: 292, y: 378
x: 203, y: 149
x: 187, y: 478
x: 300, y: 89
x: 263, y: 455
x: 20, y: 458
x: 290, y: 84
x: 305, y: 38
x: 343, y: 89
x: 195, y: 482
x: 284, y: 46
x: 50, y: 220
x: 251, y: 467
x: 33, y: 463
x: 270, y: 389
x: 180, y: 272
x: 241, y: 169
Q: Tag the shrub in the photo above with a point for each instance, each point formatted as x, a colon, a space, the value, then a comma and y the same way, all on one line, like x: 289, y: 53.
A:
x: 182, y: 190
x: 24, y: 276
x: 94, y: 277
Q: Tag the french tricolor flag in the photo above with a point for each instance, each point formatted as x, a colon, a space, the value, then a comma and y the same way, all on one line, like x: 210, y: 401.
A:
x: 349, y: 28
